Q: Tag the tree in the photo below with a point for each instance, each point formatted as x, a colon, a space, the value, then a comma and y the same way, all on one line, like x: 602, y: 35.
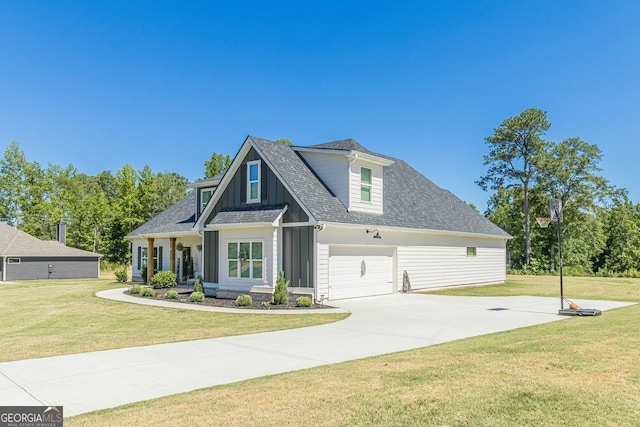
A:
x: 516, y: 150
x: 284, y: 141
x: 13, y: 170
x: 216, y: 164
x: 172, y: 187
x: 622, y: 228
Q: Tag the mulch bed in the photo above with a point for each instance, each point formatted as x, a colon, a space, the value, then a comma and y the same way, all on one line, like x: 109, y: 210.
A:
x: 183, y: 297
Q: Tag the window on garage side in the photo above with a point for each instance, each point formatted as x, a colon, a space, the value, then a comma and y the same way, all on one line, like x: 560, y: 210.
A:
x: 471, y: 251
x: 13, y: 260
x: 365, y: 184
x: 245, y: 260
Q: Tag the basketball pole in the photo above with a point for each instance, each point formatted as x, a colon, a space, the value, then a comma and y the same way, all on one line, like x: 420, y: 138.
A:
x: 560, y: 263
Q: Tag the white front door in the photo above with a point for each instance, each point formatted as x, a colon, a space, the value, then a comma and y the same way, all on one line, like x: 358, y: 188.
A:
x: 358, y: 272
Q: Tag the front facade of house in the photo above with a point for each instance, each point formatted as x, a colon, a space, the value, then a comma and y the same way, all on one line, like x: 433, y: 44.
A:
x: 340, y: 221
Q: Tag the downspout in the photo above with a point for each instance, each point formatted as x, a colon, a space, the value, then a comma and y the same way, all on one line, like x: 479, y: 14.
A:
x: 4, y: 269
x: 352, y: 158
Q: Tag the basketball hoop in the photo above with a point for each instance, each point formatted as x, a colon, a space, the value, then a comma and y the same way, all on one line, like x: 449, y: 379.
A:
x: 543, y: 221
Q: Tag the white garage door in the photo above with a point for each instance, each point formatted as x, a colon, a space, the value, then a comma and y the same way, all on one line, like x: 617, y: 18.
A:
x: 359, y: 272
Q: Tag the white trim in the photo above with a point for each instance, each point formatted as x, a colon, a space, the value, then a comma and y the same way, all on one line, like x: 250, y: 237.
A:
x: 369, y: 184
x: 298, y: 224
x: 228, y: 176
x: 213, y: 227
x: 284, y: 184
x: 249, y: 182
x: 145, y: 236
x: 201, y: 208
x: 4, y: 269
x: 415, y: 230
x: 348, y: 153
x: 263, y: 260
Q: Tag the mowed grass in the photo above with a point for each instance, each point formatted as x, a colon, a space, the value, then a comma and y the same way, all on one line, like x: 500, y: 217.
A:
x: 53, y: 317
x: 578, y: 371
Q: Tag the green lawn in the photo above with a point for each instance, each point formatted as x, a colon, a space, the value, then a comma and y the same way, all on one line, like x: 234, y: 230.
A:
x: 52, y: 317
x: 579, y: 371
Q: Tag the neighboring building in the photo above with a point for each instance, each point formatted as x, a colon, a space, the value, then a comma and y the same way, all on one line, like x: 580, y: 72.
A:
x: 23, y: 256
x: 341, y: 221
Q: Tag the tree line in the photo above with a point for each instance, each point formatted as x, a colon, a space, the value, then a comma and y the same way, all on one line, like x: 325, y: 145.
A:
x: 600, y: 225
x: 99, y: 210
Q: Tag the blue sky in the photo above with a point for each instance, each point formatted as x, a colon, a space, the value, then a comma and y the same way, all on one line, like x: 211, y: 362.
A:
x: 101, y: 84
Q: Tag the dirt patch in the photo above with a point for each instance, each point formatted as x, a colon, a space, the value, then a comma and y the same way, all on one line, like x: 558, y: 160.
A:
x: 184, y: 293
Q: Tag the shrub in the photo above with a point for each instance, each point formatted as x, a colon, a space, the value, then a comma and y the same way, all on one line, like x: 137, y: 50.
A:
x: 172, y: 294
x: 281, y: 293
x: 196, y: 297
x: 135, y: 289
x: 121, y: 274
x: 147, y: 292
x: 198, y: 286
x: 303, y: 302
x: 163, y: 279
x: 244, y: 300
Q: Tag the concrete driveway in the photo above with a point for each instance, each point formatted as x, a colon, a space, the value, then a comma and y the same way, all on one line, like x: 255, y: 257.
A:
x: 378, y: 325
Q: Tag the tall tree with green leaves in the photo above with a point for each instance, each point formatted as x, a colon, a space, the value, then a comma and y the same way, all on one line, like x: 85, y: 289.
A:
x: 516, y: 150
x: 216, y: 164
x: 571, y: 172
x: 13, y: 170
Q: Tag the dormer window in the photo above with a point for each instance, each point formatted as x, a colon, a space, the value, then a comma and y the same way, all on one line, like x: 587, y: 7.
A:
x: 253, y: 181
x: 205, y: 196
x: 365, y: 184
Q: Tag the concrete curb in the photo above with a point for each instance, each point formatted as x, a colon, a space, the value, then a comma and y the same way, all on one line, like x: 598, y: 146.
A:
x: 119, y: 295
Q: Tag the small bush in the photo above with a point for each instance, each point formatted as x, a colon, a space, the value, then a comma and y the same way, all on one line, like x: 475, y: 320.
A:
x: 135, y: 289
x: 196, y: 297
x: 121, y: 274
x: 303, y: 302
x: 147, y: 292
x: 281, y: 293
x: 244, y: 300
x: 172, y: 294
x: 163, y: 279
x: 198, y: 286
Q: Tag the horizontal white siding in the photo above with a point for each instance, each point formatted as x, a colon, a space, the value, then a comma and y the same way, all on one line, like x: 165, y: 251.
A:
x: 430, y: 259
x: 333, y: 170
x: 437, y: 266
x: 355, y: 203
x: 323, y: 271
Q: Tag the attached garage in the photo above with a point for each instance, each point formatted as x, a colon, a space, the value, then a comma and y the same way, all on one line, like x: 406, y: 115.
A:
x: 360, y: 271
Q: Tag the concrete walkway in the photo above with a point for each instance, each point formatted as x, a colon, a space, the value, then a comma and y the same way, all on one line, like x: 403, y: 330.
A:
x: 378, y: 325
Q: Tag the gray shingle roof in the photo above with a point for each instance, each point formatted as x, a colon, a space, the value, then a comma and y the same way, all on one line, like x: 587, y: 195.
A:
x: 410, y: 199
x: 178, y: 218
x: 264, y: 214
x: 17, y: 243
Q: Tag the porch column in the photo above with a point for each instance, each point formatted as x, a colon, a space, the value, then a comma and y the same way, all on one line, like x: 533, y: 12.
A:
x: 149, y: 259
x: 172, y: 254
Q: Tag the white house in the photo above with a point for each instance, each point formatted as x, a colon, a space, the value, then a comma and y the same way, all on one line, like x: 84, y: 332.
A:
x: 339, y: 220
